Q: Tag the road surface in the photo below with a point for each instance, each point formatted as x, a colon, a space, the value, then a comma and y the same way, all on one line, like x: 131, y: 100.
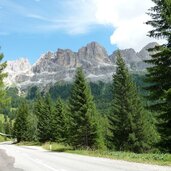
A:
x: 14, y: 158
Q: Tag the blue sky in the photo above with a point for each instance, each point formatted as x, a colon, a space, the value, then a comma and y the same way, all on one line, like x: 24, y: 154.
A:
x: 32, y: 45
x: 32, y: 27
x: 28, y: 28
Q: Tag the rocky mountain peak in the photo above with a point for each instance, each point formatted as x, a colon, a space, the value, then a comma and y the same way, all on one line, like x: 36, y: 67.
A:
x: 52, y: 67
x: 129, y: 55
x: 144, y: 54
x: 95, y: 48
x: 150, y: 45
x: 94, y: 52
x: 15, y: 68
x: 19, y: 65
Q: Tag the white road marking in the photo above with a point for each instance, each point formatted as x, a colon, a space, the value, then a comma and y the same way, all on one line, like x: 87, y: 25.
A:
x: 43, y: 164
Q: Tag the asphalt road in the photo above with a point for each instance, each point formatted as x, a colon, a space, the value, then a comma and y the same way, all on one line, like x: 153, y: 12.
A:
x: 14, y: 158
x: 6, y: 162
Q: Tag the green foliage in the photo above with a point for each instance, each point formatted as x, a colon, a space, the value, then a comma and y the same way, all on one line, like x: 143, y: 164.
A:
x: 161, y: 19
x: 100, y: 92
x: 4, y: 100
x: 7, y: 125
x: 15, y: 98
x: 158, y: 76
x: 128, y: 120
x: 159, y: 72
x: 1, y: 126
x: 20, y: 125
x: 2, y: 138
x: 43, y: 110
x: 84, y: 130
x: 61, y: 90
x: 60, y: 122
x: 31, y: 127
x: 32, y: 93
x: 2, y: 123
x: 102, y: 96
x: 165, y: 124
x: 15, y: 101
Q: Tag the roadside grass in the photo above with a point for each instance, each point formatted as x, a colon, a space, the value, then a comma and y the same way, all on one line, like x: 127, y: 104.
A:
x: 27, y: 143
x: 2, y: 139
x: 57, y: 147
x: 148, y: 158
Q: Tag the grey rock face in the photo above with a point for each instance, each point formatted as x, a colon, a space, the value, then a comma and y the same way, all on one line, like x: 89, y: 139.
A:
x: 61, y: 65
x: 134, y: 60
x: 130, y: 57
x: 93, y: 54
x: 144, y: 54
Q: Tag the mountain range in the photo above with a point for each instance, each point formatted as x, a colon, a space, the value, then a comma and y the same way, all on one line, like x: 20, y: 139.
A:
x: 57, y: 66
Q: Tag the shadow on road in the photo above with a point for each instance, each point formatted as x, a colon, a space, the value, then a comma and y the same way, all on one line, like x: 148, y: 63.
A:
x: 7, y: 162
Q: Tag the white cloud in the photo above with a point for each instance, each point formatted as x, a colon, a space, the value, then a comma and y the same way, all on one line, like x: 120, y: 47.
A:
x: 73, y: 17
x: 128, y: 19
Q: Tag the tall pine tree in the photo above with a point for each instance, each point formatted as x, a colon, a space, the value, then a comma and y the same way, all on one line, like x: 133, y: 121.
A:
x: 165, y: 125
x: 159, y: 72
x: 3, y: 98
x: 32, y: 127
x: 60, y: 122
x: 20, y: 124
x: 43, y: 110
x: 84, y: 130
x: 129, y: 123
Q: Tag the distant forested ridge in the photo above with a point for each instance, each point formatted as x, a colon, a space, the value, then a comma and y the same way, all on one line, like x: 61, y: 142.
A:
x: 100, y: 91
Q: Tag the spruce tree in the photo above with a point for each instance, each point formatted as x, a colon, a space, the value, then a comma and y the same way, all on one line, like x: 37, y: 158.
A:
x: 6, y: 125
x: 43, y: 110
x: 84, y: 130
x: 32, y: 127
x: 128, y: 120
x: 4, y: 100
x: 165, y: 124
x: 1, y: 126
x: 60, y: 122
x: 20, y: 124
x: 38, y: 105
x: 159, y: 72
